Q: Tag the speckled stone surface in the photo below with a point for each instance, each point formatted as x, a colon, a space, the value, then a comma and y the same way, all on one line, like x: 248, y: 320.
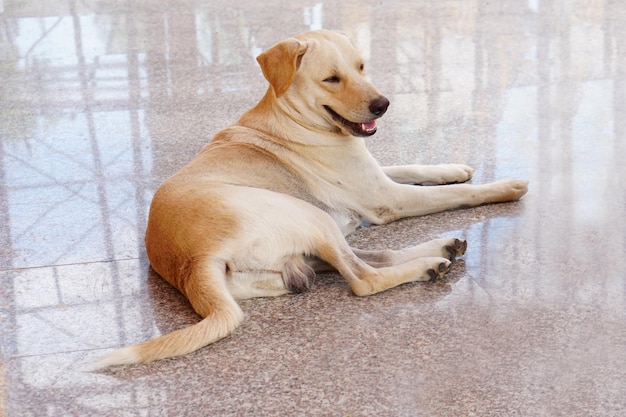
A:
x: 100, y: 101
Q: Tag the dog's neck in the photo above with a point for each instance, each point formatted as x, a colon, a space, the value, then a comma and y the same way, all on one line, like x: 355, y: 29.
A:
x: 272, y: 117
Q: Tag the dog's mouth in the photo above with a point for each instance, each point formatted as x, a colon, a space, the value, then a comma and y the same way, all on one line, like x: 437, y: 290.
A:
x: 357, y: 129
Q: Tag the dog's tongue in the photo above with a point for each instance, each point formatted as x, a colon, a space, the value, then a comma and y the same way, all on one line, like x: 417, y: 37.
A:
x: 369, y: 126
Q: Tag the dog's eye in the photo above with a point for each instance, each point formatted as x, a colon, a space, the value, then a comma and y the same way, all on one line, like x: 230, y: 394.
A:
x: 361, y: 67
x: 332, y: 79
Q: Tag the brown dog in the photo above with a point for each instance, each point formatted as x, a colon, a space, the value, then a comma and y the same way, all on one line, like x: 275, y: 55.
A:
x: 272, y: 196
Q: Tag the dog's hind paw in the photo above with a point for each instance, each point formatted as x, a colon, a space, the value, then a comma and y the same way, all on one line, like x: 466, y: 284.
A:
x: 438, y: 271
x: 456, y: 248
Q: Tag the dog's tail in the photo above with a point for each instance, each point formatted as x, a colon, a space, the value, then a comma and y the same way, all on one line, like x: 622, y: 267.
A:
x: 212, y: 300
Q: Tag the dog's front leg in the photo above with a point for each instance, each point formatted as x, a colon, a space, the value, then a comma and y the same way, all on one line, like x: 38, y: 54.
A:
x: 434, y: 174
x: 400, y: 200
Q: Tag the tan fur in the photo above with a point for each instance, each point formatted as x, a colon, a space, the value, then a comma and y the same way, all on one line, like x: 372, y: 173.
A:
x: 272, y: 196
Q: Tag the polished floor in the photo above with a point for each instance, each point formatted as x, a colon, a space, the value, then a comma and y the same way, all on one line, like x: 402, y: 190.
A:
x: 101, y: 101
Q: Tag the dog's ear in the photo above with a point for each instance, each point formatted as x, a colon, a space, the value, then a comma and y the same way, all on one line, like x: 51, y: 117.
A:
x: 280, y: 63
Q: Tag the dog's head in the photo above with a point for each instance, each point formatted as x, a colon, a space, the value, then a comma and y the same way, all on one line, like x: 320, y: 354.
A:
x: 318, y: 79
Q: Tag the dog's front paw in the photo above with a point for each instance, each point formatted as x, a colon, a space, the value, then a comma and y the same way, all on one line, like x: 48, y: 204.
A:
x: 511, y: 189
x: 453, y: 173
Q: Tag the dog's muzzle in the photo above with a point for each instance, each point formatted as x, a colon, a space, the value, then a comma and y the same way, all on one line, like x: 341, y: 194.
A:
x: 377, y: 108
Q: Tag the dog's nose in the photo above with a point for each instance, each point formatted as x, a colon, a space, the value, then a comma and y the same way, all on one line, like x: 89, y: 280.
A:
x: 379, y: 106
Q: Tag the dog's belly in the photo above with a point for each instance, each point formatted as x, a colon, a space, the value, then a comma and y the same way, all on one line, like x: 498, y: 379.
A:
x: 347, y: 221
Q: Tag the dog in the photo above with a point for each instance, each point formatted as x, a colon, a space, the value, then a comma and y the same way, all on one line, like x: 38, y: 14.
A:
x: 271, y: 198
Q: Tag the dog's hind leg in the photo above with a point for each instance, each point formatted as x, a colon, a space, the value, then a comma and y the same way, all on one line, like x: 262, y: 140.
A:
x: 365, y: 279
x: 448, y: 248
x: 299, y: 230
x: 294, y: 276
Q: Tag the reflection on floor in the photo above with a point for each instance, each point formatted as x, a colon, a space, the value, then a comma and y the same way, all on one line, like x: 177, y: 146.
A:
x: 100, y: 101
